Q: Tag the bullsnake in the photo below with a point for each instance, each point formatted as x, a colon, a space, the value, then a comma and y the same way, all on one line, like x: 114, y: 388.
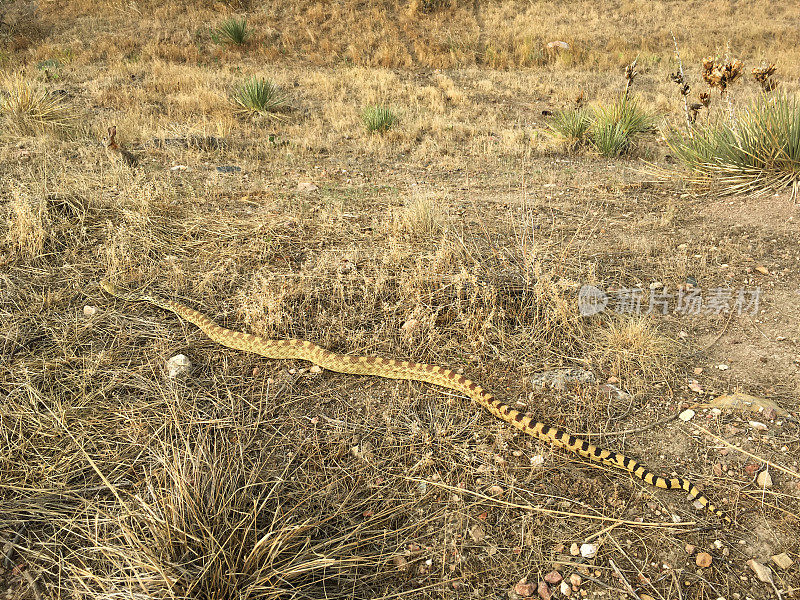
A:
x: 401, y: 369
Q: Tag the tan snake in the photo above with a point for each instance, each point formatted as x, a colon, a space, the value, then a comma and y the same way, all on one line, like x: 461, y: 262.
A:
x: 402, y: 369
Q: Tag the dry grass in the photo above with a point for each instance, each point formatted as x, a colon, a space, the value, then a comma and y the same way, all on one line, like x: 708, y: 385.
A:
x: 457, y: 238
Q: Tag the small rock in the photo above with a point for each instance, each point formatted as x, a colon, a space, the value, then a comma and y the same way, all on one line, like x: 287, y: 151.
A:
x: 525, y: 589
x: 410, y: 326
x: 717, y: 469
x: 574, y: 549
x: 588, y: 550
x: 575, y: 580
x: 315, y: 369
x: 178, y: 168
x: 565, y: 589
x: 764, y: 480
x: 89, y: 311
x: 611, y: 391
x: 306, y: 187
x: 228, y: 169
x: 400, y: 563
x: 496, y: 490
x: 703, y: 560
x: 698, y: 370
x: 762, y: 269
x: 537, y: 460
x: 561, y: 379
x: 544, y: 591
x: 752, y: 468
x: 695, y: 386
x: 656, y: 285
x: 687, y: 415
x: 178, y: 366
x: 689, y: 548
x: 758, y: 425
x: 718, y: 544
x: 553, y: 577
x: 763, y: 573
x: 477, y: 533
x: 782, y: 560
x: 723, y: 367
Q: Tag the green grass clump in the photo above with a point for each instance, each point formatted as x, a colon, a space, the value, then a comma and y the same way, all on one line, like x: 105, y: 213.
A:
x: 571, y: 126
x: 378, y: 119
x: 610, y: 130
x: 27, y: 108
x: 615, y: 127
x: 757, y: 153
x: 231, y: 31
x: 258, y: 96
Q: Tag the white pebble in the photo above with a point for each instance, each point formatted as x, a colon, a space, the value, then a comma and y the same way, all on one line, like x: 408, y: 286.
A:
x: 178, y: 366
x: 588, y: 550
x: 89, y: 311
x: 723, y: 367
x: 686, y: 415
x: 757, y: 425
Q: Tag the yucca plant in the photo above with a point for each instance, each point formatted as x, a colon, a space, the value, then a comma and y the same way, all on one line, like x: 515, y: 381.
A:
x: 258, y: 96
x: 571, y: 126
x: 758, y: 152
x: 231, y: 31
x: 616, y: 126
x: 378, y: 119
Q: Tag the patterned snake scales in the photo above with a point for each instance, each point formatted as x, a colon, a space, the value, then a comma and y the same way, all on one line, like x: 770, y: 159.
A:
x: 436, y: 375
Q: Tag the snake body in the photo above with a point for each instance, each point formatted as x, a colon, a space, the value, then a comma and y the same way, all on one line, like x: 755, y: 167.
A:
x: 401, y: 369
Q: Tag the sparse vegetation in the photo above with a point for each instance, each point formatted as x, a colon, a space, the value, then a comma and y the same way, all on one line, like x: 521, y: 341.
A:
x: 231, y: 31
x: 258, y: 96
x: 459, y: 239
x: 378, y: 119
x: 756, y: 153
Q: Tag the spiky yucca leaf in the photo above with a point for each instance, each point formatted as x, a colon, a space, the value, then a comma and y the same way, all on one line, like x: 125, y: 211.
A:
x: 571, y: 126
x: 616, y: 126
x: 231, y: 31
x: 378, y: 119
x: 259, y: 96
x: 759, y: 152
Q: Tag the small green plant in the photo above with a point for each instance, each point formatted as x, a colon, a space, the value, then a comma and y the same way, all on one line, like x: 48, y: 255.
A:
x: 758, y: 152
x: 27, y: 108
x: 378, y: 119
x: 231, y: 31
x: 614, y: 128
x: 258, y: 96
x: 571, y: 126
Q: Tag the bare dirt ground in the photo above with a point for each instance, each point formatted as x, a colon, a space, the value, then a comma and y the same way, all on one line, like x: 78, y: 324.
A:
x: 460, y: 238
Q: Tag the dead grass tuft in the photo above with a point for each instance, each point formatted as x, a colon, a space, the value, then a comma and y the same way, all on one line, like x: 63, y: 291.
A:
x: 634, y: 351
x: 28, y: 108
